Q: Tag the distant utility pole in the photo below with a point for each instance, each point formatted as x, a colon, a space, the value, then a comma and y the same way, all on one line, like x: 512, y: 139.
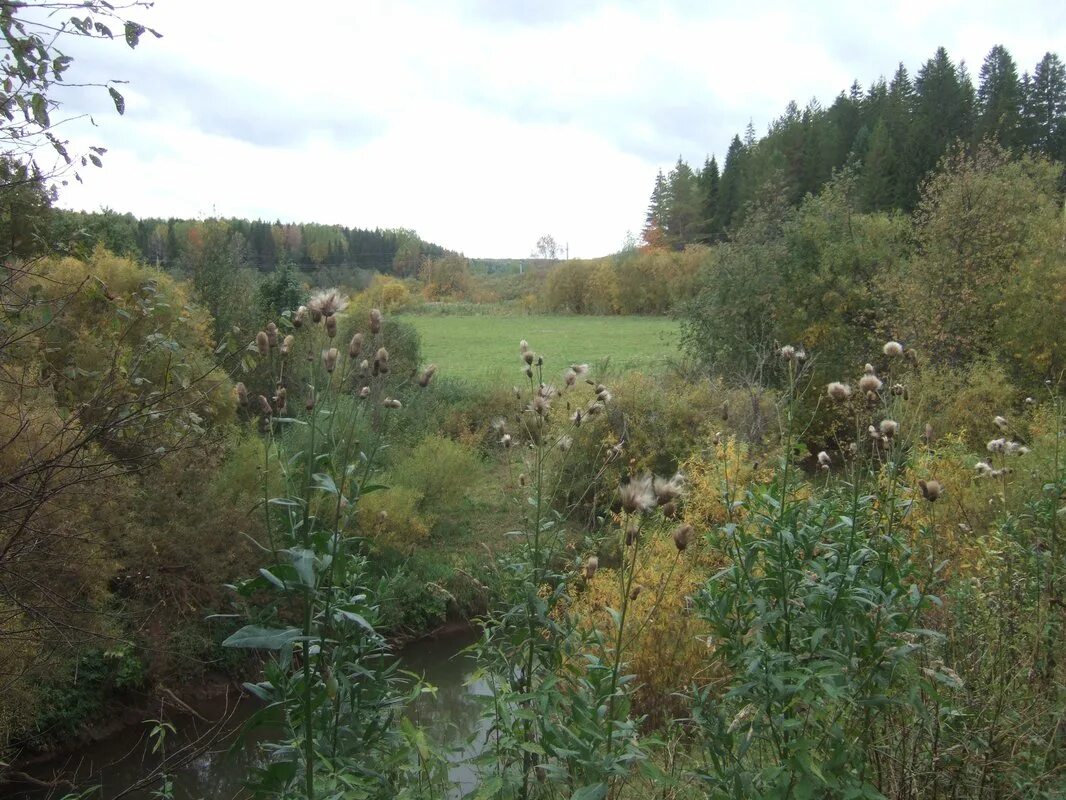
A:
x: 568, y: 251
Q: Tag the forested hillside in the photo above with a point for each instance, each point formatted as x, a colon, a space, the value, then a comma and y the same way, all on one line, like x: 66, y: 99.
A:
x: 891, y: 135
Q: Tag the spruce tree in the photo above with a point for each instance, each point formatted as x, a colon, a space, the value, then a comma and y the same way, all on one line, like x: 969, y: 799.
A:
x: 655, y: 219
x: 942, y: 111
x: 1047, y: 102
x: 999, y: 99
x: 729, y: 189
x: 709, y: 184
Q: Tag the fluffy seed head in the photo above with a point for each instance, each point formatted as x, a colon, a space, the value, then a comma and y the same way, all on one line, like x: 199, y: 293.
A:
x: 391, y: 402
x: 570, y: 377
x: 375, y: 321
x: 868, y: 369
x: 364, y: 393
x: 272, y: 334
x: 788, y: 352
x: 667, y: 489
x: 889, y: 428
x: 331, y: 326
x: 242, y: 393
x: 892, y: 349
x: 381, y: 360
x: 838, y: 391
x: 505, y: 440
x: 326, y: 303
x: 355, y: 346
x: 996, y: 445
x: 286, y: 344
x: 262, y: 343
x: 279, y: 398
x: 681, y: 536
x: 528, y: 356
x: 930, y: 490
x: 329, y: 358
x: 298, y: 317
x: 591, y: 566
x: 1001, y: 423
x: 427, y: 375
x: 823, y: 458
x: 566, y: 442
x: 870, y: 383
x: 523, y: 346
x: 983, y: 468
x: 264, y: 406
x: 637, y: 494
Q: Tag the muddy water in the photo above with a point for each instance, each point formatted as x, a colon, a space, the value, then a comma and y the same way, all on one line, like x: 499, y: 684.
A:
x: 120, y: 761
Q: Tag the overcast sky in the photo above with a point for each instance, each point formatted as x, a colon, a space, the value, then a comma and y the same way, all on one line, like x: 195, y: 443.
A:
x: 482, y: 124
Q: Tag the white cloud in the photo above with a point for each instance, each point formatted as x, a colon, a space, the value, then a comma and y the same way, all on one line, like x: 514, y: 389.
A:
x: 481, y: 124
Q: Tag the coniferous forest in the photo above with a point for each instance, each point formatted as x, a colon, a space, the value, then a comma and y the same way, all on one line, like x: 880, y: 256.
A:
x: 770, y: 503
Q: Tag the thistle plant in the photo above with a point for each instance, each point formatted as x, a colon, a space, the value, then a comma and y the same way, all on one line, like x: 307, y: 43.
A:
x: 815, y: 615
x: 331, y: 683
x: 558, y: 711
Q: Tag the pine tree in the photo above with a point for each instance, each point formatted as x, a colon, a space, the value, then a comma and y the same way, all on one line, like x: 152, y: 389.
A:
x: 999, y: 99
x: 1047, y: 103
x: 879, y: 179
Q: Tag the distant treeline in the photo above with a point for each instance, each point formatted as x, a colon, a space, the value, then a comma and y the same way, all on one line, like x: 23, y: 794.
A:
x: 892, y: 135
x: 262, y: 245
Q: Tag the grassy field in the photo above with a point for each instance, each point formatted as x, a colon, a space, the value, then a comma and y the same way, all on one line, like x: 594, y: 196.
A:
x: 485, y: 348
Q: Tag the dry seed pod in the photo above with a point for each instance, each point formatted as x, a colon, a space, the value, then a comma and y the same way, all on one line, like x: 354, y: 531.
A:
x: 355, y: 346
x: 375, y: 321
x: 272, y: 334
x: 634, y: 593
x: 262, y: 343
x: 286, y: 344
x: 331, y: 326
x: 242, y: 394
x: 264, y: 406
x: 309, y: 404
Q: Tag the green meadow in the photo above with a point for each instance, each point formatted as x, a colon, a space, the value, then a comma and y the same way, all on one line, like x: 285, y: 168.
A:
x: 485, y: 348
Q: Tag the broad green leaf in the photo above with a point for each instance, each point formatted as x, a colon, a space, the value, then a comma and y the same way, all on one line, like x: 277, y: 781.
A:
x: 257, y: 637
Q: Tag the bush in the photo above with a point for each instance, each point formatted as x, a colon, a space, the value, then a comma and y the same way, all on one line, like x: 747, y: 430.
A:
x: 442, y: 471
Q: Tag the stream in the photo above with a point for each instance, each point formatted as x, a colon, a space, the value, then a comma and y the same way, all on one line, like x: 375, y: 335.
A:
x: 450, y: 717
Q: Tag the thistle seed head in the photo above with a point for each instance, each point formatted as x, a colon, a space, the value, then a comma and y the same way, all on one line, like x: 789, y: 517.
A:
x: 996, y: 445
x: 272, y: 334
x: 681, y: 535
x: 364, y: 393
x: 262, y: 343
x: 375, y: 321
x: 529, y: 356
x: 892, y: 349
x: 667, y: 489
x: 242, y: 393
x: 298, y: 317
x: 287, y: 343
x: 823, y: 459
x: 1001, y: 423
x: 427, y: 375
x: 264, y: 406
x: 309, y: 403
x: 391, y: 402
x: 329, y: 357
x: 930, y: 490
x: 870, y: 383
x: 355, y: 346
x: 634, y: 593
x: 591, y: 566
x: 889, y: 428
x: 331, y: 326
x: 838, y: 391
x: 637, y: 495
x: 326, y: 303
